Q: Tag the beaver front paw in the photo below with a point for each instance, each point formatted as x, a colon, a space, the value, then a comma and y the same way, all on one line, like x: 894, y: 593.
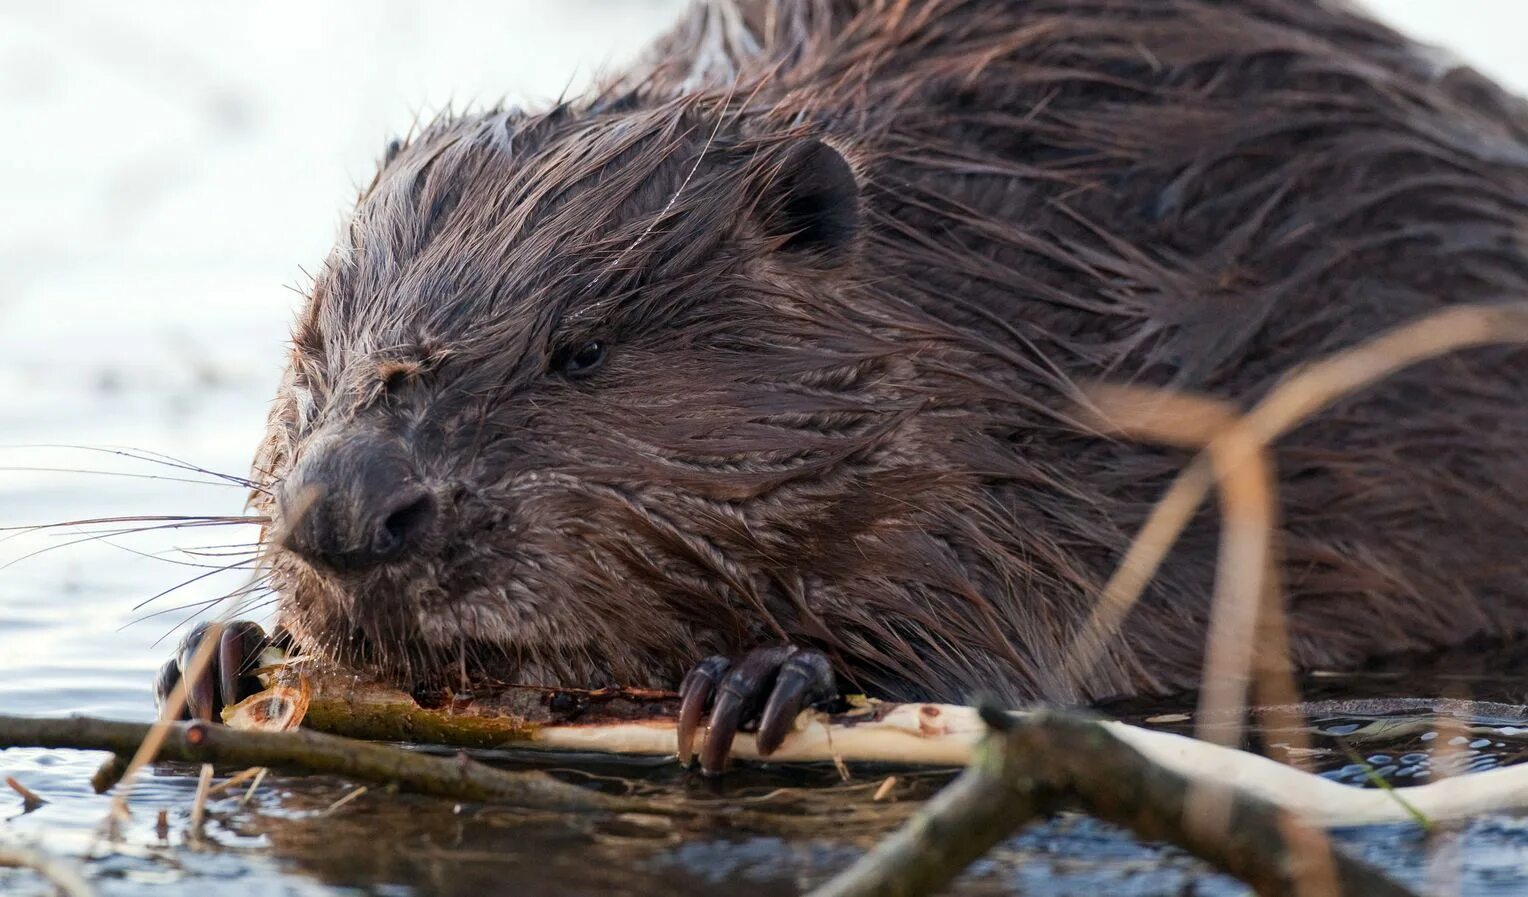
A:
x: 227, y: 676
x: 768, y: 687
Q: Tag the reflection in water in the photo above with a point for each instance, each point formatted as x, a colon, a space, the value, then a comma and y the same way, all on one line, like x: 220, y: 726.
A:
x: 399, y: 844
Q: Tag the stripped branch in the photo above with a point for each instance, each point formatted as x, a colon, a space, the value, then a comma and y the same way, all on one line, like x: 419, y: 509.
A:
x: 1046, y: 761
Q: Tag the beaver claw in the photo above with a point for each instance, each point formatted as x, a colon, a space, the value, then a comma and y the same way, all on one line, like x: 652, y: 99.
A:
x: 226, y: 678
x: 768, y: 686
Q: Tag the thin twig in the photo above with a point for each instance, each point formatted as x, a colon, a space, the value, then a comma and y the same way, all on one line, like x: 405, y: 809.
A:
x: 1303, y: 394
x: 254, y: 786
x: 153, y: 737
x: 329, y: 810
x: 1248, y: 601
x: 199, y: 803
x: 1247, y: 608
x: 30, y: 800
x: 1246, y: 508
x: 63, y: 875
x: 235, y: 780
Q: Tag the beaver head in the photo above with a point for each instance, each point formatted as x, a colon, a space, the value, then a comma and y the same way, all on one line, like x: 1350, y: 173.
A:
x: 579, y: 398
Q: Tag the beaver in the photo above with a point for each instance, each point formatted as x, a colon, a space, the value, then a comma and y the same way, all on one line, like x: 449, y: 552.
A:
x: 756, y: 372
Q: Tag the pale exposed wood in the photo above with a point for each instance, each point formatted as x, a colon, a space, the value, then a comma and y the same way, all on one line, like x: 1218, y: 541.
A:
x: 930, y: 735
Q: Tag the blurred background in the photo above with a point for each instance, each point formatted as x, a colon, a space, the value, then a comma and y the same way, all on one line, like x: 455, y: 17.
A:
x: 169, y: 171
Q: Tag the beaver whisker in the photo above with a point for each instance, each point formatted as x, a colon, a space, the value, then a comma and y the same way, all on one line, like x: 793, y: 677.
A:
x: 239, y: 565
x: 205, y: 604
x: 84, y: 471
x: 226, y: 549
x: 168, y: 521
x: 145, y: 455
x: 104, y: 536
x: 249, y: 557
x: 260, y: 602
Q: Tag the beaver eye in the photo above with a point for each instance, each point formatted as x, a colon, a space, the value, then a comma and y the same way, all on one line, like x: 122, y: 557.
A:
x: 584, y: 360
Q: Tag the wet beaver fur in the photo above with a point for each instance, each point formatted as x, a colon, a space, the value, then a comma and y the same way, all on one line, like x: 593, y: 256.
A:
x: 778, y: 338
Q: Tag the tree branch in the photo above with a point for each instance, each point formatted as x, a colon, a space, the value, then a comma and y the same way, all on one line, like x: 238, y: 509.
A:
x: 312, y: 752
x: 1043, y: 761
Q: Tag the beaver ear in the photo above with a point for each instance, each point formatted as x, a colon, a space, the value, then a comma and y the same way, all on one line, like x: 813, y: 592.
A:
x: 813, y: 200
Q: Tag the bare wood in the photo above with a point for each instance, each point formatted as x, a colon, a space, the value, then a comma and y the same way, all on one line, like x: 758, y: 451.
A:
x: 921, y: 734
x: 1049, y: 759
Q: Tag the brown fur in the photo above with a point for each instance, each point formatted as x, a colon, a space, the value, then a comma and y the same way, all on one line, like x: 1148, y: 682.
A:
x: 870, y: 448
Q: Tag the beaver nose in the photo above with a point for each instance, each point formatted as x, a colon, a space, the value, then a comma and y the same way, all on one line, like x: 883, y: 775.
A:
x: 349, y: 507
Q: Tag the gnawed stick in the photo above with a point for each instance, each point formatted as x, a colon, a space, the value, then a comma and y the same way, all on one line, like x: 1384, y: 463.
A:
x: 927, y: 734
x: 313, y: 752
x: 922, y: 734
x: 1033, y: 765
x: 64, y: 875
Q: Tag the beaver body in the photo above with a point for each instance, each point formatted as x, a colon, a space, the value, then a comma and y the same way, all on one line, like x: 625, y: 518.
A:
x: 779, y: 338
